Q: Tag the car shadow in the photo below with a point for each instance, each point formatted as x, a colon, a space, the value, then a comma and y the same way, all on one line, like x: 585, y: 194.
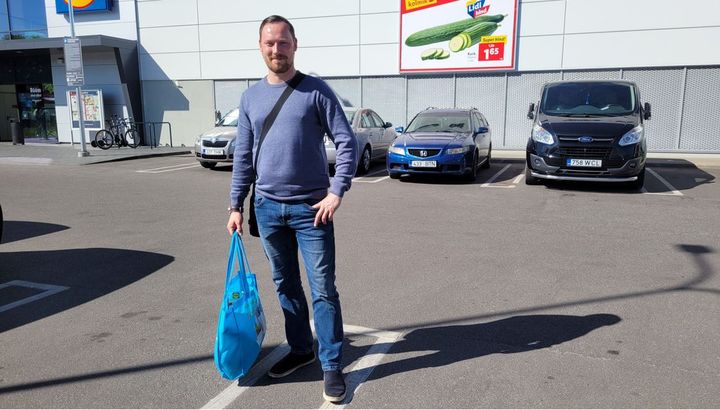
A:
x: 77, y: 275
x: 457, y: 343
x: 18, y: 230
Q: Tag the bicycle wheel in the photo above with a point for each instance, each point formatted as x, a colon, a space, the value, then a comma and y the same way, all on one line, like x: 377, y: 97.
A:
x: 132, y: 136
x: 104, y: 139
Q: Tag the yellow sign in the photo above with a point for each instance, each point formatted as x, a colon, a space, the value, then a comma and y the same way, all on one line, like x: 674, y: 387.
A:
x: 493, y: 39
x: 80, y: 4
x: 416, y: 4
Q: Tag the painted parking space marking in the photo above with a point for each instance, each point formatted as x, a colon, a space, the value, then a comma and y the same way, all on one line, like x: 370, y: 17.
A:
x: 489, y: 182
x: 518, y: 178
x: 169, y: 168
x: 372, y: 180
x: 49, y: 290
x: 672, y: 189
x: 356, y: 375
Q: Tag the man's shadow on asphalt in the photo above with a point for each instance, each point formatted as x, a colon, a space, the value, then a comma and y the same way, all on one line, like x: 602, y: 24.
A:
x: 18, y: 230
x: 457, y: 343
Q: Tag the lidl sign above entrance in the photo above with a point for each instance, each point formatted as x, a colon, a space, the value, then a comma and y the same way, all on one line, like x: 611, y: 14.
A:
x: 83, y: 6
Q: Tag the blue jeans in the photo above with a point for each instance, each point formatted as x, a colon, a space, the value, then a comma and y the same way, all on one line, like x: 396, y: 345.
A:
x: 284, y: 227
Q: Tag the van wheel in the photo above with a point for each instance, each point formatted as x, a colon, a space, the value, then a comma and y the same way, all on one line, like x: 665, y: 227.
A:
x: 208, y: 165
x: 529, y: 179
x: 639, y: 182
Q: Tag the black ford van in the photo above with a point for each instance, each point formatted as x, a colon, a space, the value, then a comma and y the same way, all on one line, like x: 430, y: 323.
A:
x: 588, y: 131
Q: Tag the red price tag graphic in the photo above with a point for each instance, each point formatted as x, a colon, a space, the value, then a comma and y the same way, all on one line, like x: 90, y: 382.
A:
x: 491, y: 51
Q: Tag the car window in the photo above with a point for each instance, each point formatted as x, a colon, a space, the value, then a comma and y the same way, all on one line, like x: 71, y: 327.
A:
x: 588, y: 98
x: 440, y: 122
x: 366, y: 121
x: 378, y: 121
x: 350, y: 115
x: 230, y: 119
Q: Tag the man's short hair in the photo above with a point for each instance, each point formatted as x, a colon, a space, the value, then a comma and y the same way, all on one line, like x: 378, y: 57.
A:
x: 277, y: 19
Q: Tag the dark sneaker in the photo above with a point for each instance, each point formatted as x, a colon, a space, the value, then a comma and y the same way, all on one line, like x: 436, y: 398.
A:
x: 290, y: 363
x: 334, y: 390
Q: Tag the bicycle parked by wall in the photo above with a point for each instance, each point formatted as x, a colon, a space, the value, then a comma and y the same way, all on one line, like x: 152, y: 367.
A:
x: 121, y: 132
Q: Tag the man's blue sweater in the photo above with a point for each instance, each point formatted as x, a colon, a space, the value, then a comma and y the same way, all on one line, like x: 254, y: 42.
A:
x: 292, y: 165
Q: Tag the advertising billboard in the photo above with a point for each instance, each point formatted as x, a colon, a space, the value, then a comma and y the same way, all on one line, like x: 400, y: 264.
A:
x: 82, y: 6
x: 457, y: 35
x: 92, y: 109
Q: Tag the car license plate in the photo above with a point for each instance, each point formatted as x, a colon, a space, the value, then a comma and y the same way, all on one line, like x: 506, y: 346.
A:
x: 214, y: 151
x: 423, y: 164
x: 592, y: 163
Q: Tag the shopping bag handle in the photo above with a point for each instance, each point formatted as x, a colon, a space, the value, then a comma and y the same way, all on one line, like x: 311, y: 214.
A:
x: 237, y: 250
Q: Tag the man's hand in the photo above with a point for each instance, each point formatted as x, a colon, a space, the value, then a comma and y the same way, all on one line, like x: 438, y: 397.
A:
x: 235, y: 223
x: 326, y: 208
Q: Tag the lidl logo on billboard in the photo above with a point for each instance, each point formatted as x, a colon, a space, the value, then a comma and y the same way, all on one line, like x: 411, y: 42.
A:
x: 476, y: 8
x: 83, y: 6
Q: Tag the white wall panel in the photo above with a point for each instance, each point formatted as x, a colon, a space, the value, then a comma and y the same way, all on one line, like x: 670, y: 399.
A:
x: 380, y: 28
x: 168, y: 12
x: 328, y: 31
x: 233, y: 64
x: 539, y: 53
x: 224, y: 11
x: 379, y: 6
x: 379, y: 59
x: 175, y: 39
x: 175, y: 66
x: 229, y: 36
x: 641, y: 48
x: 120, y: 22
x: 329, y: 61
x: 585, y: 16
x: 541, y: 18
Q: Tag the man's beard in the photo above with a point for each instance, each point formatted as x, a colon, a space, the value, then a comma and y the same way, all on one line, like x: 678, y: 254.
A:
x: 278, y: 65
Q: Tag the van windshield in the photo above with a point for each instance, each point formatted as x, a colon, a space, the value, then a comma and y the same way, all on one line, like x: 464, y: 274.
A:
x: 588, y: 99
x: 230, y: 119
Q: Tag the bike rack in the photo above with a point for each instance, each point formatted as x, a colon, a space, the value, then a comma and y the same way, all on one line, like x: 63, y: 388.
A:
x: 153, y: 133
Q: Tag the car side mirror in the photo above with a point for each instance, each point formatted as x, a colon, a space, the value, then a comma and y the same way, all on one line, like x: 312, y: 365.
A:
x: 647, y: 113
x: 531, y: 111
x: 387, y: 125
x: 399, y: 130
x: 482, y: 130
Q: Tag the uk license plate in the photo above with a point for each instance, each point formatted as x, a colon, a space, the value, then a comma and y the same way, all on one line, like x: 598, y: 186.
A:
x: 214, y: 151
x: 588, y: 163
x: 423, y: 164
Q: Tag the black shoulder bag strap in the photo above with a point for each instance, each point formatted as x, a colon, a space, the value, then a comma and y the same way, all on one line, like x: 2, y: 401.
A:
x: 267, y: 124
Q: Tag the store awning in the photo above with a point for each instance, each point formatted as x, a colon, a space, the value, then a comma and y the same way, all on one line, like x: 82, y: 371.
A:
x: 59, y: 42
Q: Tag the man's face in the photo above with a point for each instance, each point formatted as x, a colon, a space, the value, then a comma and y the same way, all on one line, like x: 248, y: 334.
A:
x: 277, y: 46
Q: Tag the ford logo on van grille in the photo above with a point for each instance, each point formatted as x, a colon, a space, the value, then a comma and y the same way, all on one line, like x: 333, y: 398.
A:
x: 585, y: 139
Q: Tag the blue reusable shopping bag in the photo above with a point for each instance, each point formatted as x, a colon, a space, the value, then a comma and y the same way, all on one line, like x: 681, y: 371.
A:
x: 241, y: 325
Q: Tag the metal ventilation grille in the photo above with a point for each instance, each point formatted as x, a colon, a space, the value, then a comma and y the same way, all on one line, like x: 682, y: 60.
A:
x: 429, y: 91
x: 487, y: 94
x: 662, y: 88
x: 347, y: 90
x: 523, y: 89
x: 591, y: 75
x: 701, y: 116
x: 385, y: 95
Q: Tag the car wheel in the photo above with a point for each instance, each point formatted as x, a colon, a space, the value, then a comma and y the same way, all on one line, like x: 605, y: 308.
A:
x: 472, y: 176
x: 639, y: 182
x: 364, y: 162
x: 1, y: 224
x: 331, y: 169
x: 394, y: 175
x: 529, y: 179
x: 486, y: 164
x: 208, y: 165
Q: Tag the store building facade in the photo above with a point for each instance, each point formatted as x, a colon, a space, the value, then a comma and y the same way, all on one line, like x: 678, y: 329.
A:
x: 182, y: 61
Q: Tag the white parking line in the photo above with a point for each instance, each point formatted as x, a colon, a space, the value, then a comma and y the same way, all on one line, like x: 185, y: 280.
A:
x: 518, y: 179
x: 169, y: 168
x: 49, y: 290
x: 672, y: 189
x: 371, y: 181
x: 494, y: 177
x: 356, y: 375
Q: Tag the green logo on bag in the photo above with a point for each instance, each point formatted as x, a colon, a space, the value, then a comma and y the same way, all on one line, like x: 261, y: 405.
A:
x: 236, y: 295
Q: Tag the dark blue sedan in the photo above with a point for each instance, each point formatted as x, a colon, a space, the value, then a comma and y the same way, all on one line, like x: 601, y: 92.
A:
x: 453, y: 141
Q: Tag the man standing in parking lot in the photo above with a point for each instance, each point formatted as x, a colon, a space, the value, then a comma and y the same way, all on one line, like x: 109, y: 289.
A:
x: 295, y: 200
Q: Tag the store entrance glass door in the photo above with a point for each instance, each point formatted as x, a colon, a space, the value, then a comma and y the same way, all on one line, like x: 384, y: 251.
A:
x: 36, y: 106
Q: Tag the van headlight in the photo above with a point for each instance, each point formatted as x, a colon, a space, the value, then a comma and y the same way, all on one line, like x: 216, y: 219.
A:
x: 396, y: 149
x: 633, y: 136
x: 541, y: 135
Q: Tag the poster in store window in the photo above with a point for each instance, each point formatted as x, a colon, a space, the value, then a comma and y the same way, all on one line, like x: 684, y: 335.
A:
x: 457, y: 35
